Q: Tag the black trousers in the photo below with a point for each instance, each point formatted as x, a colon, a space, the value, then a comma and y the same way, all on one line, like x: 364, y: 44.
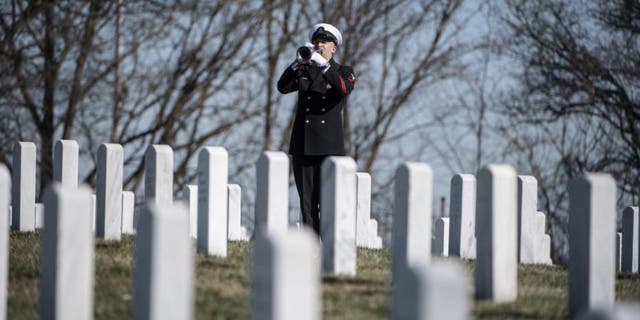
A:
x: 306, y: 171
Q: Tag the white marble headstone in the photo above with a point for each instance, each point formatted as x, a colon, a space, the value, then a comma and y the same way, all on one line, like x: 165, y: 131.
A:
x: 592, y: 228
x: 630, y: 239
x: 65, y: 162
x: 441, y: 239
x: 212, y: 201
x: 338, y: 211
x: 190, y: 197
x: 527, y: 219
x: 411, y: 237
x: 235, y: 230
x: 39, y: 215
x: 618, y: 251
x: 158, y: 174
x: 67, y: 255
x: 496, y: 272
x: 163, y: 273
x: 128, y: 209
x: 272, y: 192
x: 109, y: 192
x: 5, y: 196
x: 462, y: 214
x: 23, y: 187
x: 286, y: 276
x: 432, y: 291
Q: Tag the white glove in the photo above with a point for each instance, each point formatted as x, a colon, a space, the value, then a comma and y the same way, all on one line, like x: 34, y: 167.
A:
x: 319, y: 59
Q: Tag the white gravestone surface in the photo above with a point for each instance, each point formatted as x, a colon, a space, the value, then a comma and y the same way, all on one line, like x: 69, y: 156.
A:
x: 366, y: 228
x: 543, y: 241
x: 272, y: 192
x: 212, y: 201
x: 527, y: 209
x: 618, y: 251
x: 39, y: 215
x: 163, y: 272
x: 109, y: 192
x: 190, y: 197
x: 441, y: 239
x: 93, y: 212
x: 67, y: 255
x: 338, y: 211
x: 23, y: 187
x: 286, y: 276
x: 496, y: 273
x: 158, y: 174
x: 462, y: 215
x: 630, y: 239
x: 65, y: 163
x: 592, y: 228
x: 411, y: 237
x: 432, y: 292
x: 621, y: 311
x: 236, y: 231
x: 128, y: 208
x: 5, y: 196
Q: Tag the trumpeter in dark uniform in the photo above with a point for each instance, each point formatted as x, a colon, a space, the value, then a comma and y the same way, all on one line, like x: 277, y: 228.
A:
x: 323, y: 86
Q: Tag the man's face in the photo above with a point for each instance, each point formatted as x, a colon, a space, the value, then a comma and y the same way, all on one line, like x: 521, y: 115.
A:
x: 326, y: 48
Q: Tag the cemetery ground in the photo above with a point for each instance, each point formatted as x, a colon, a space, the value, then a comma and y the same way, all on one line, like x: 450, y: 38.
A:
x: 223, y: 285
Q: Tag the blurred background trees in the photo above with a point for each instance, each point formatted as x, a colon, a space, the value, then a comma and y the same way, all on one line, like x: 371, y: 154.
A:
x: 551, y: 87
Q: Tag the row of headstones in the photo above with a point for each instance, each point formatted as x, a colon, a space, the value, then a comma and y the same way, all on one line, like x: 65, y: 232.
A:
x: 592, y: 220
x: 496, y: 276
x: 114, y: 209
x: 455, y: 235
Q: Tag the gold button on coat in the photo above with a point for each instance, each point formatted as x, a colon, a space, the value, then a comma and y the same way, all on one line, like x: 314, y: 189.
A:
x: 308, y: 97
x: 306, y: 121
x: 307, y: 109
x: 323, y: 109
x: 323, y: 97
x: 322, y: 121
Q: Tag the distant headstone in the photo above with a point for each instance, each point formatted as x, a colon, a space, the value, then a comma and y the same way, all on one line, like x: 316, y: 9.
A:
x: 286, y: 276
x: 163, y: 265
x: 441, y: 239
x: 235, y: 230
x: 435, y: 291
x: 411, y: 236
x: 39, y: 215
x: 338, y: 210
x: 630, y: 239
x: 93, y: 212
x: 366, y: 227
x: 618, y: 251
x: 212, y: 201
x: 272, y: 192
x: 67, y: 255
x: 496, y: 273
x: 158, y: 174
x: 527, y: 219
x: 109, y: 192
x: 462, y: 214
x: 5, y: 196
x: 128, y: 208
x: 592, y: 227
x: 190, y: 197
x: 23, y: 187
x: 65, y: 162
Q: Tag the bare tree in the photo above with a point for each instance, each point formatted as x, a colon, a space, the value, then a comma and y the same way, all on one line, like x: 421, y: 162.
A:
x: 576, y: 107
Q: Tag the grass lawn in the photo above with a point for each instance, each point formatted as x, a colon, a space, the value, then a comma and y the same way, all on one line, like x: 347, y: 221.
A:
x: 222, y: 285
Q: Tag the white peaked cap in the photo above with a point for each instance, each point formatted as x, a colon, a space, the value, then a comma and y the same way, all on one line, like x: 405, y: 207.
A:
x: 329, y: 28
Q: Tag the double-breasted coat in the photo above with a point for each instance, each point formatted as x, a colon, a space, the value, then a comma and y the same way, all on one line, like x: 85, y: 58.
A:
x: 318, y: 128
